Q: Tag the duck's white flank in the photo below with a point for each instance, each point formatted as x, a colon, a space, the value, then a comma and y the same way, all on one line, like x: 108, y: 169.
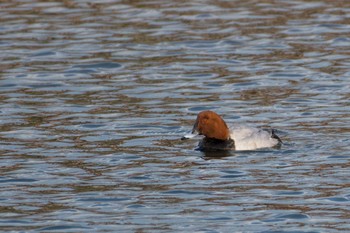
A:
x: 249, y: 138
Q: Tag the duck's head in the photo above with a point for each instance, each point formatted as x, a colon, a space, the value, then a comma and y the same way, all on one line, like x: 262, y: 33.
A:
x: 211, y: 125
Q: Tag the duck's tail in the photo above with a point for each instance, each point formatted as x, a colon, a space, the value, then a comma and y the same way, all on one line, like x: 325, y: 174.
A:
x: 273, y: 135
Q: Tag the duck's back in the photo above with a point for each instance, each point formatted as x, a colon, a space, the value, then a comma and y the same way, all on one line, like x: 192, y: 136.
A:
x: 250, y: 138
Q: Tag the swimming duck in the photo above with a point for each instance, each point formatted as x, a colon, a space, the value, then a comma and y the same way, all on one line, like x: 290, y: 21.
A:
x: 217, y: 136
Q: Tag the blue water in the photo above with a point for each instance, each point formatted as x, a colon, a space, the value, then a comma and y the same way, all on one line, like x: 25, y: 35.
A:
x: 95, y: 96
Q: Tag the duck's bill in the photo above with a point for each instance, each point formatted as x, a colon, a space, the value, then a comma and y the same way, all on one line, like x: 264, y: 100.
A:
x: 188, y: 136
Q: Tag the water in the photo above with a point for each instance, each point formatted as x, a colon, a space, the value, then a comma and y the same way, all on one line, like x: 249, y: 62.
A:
x: 95, y: 96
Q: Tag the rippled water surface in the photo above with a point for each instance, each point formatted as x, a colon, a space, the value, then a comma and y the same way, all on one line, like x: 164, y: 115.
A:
x: 95, y: 96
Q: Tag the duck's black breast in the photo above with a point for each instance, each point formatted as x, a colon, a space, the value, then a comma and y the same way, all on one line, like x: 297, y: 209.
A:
x: 207, y: 144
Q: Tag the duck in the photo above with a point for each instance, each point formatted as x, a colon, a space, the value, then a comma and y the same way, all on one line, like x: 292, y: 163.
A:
x: 218, y: 136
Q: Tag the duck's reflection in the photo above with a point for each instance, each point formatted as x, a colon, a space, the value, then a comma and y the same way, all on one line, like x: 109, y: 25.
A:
x: 216, y: 154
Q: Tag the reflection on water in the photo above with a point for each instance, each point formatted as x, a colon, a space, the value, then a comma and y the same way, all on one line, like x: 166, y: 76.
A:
x: 95, y: 96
